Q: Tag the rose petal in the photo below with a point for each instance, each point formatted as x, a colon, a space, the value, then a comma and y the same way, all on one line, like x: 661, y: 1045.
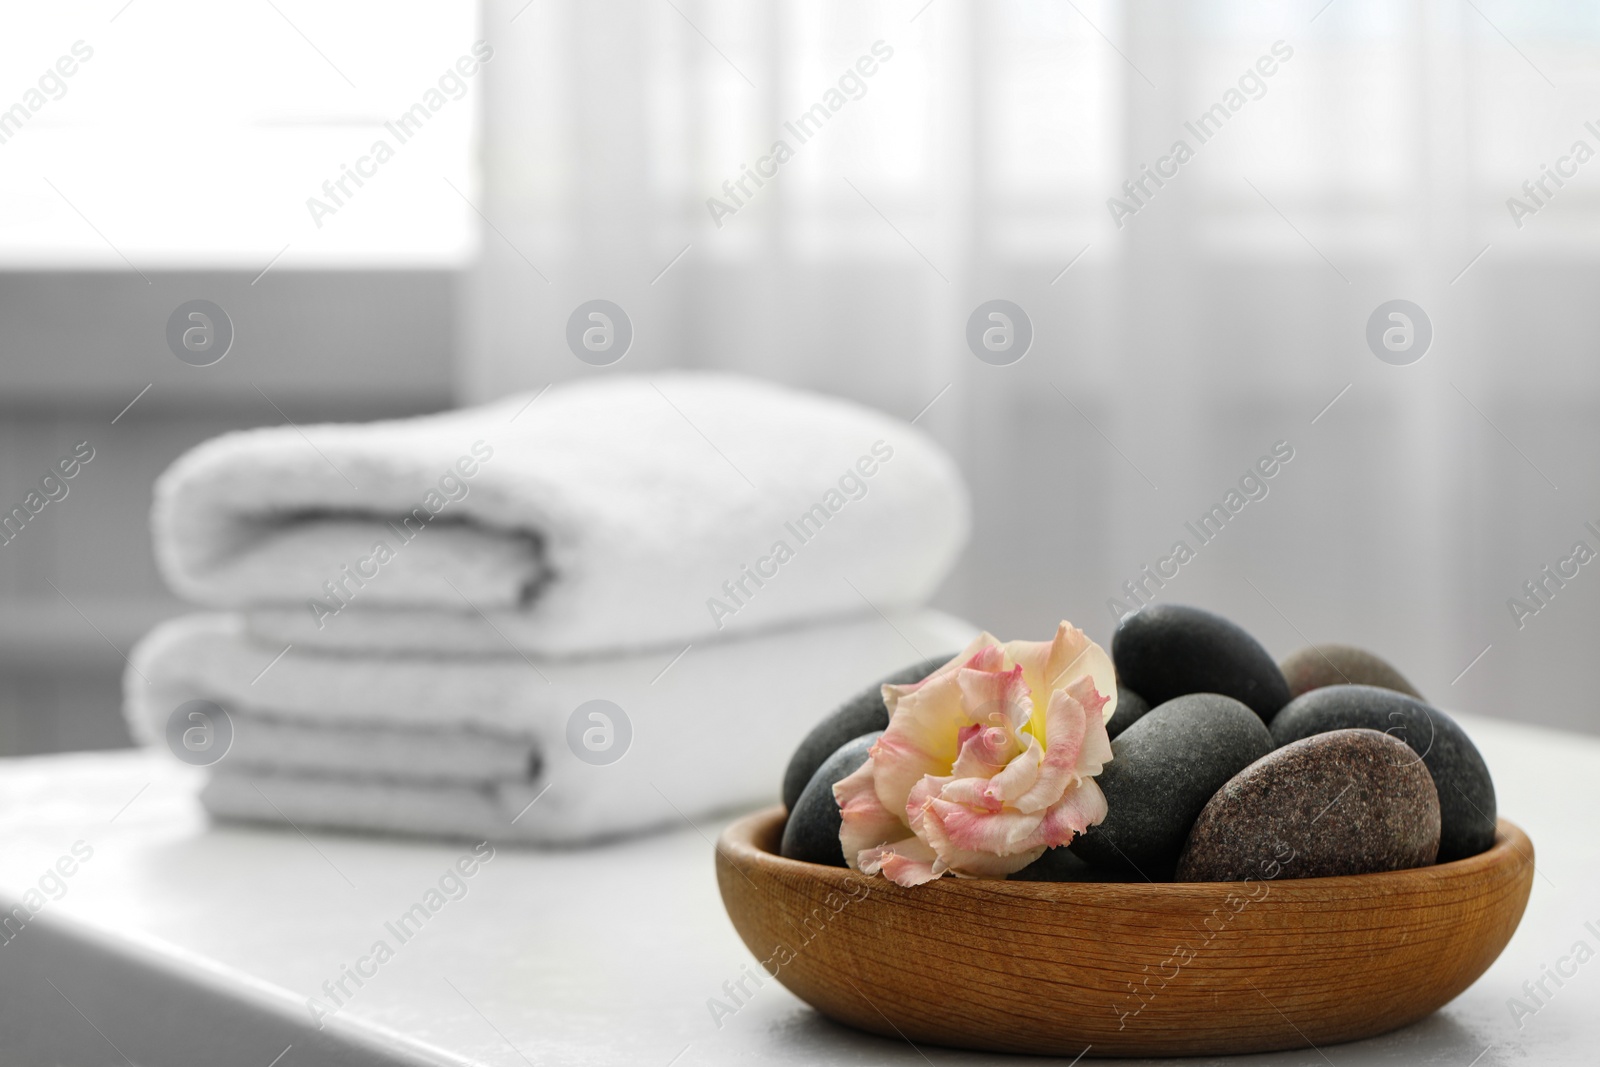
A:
x: 968, y: 863
x: 863, y: 820
x: 1052, y: 665
x: 907, y: 862
x: 921, y: 739
x: 985, y: 750
x: 1083, y: 806
x: 917, y: 803
x: 1020, y: 774
x: 996, y: 697
x: 1065, y: 723
x: 1094, y: 752
x: 974, y: 793
x: 1000, y: 832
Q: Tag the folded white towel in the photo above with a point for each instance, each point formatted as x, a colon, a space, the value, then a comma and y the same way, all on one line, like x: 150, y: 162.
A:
x: 463, y: 746
x: 617, y: 513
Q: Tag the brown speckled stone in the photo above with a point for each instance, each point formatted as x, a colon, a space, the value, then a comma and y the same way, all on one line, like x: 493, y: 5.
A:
x: 1342, y: 802
x: 1316, y: 666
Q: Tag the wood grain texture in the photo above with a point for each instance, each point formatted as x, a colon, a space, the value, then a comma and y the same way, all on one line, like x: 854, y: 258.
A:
x: 1128, y: 969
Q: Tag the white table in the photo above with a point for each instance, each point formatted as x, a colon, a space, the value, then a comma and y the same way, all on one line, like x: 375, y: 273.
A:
x: 591, y: 956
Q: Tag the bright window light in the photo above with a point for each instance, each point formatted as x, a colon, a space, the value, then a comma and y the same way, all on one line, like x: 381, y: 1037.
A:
x: 175, y: 133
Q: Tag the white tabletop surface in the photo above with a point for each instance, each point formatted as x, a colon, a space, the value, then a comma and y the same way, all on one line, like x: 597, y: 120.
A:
x: 609, y: 955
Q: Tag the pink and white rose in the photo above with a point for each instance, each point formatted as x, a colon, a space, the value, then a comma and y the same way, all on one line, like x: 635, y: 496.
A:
x: 986, y: 763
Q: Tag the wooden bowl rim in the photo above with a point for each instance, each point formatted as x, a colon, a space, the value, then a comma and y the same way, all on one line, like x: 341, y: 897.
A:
x: 738, y: 843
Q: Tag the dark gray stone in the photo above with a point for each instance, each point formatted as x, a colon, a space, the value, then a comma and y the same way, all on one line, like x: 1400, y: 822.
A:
x: 1168, y: 650
x: 812, y: 832
x: 1466, y: 792
x: 860, y: 714
x: 1344, y: 802
x: 1131, y: 707
x: 1316, y: 666
x: 1163, y: 770
x: 1061, y: 865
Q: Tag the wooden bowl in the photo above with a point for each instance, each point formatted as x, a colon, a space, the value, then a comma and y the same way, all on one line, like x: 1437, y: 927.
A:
x: 1120, y: 968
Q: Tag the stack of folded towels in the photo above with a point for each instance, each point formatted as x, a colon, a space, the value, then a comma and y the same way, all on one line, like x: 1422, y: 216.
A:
x: 412, y: 612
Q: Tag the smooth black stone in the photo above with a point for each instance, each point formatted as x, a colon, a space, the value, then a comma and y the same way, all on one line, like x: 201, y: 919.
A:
x: 1168, y: 650
x: 812, y: 832
x: 1342, y: 802
x: 1466, y: 792
x: 1163, y: 770
x: 1131, y: 707
x: 1061, y: 865
x: 861, y: 714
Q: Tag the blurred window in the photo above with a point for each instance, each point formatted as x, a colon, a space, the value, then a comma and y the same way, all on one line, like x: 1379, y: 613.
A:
x: 178, y: 133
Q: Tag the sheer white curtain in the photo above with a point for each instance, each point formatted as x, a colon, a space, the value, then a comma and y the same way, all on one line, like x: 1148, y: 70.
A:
x: 1363, y: 151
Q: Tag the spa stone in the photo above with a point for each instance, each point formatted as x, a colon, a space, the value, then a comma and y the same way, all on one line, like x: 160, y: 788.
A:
x: 812, y: 832
x: 1343, y: 802
x: 1163, y: 770
x: 860, y: 714
x: 1168, y: 650
x: 1317, y: 666
x: 1062, y: 865
x: 1131, y: 707
x: 1466, y: 792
